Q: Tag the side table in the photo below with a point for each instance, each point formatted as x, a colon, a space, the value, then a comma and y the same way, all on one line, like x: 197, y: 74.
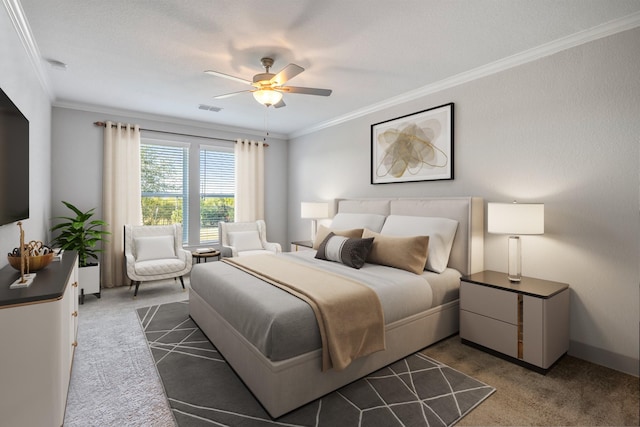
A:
x: 526, y: 322
x: 198, y: 256
x: 302, y: 245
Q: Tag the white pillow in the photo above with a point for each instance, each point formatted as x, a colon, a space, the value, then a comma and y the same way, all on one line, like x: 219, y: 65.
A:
x: 441, y: 232
x: 154, y: 247
x: 344, y: 221
x: 245, y: 240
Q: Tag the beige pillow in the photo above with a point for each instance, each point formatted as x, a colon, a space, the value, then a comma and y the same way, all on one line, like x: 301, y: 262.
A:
x: 407, y: 253
x: 323, y: 232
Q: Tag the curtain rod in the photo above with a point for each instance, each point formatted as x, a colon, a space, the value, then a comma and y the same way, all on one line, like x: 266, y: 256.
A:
x: 103, y: 124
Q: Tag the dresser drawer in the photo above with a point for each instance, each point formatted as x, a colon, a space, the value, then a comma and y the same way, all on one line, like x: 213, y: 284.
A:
x: 489, y: 302
x: 491, y: 333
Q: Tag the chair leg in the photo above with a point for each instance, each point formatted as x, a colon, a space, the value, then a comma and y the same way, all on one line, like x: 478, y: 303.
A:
x: 182, y: 281
x: 135, y: 293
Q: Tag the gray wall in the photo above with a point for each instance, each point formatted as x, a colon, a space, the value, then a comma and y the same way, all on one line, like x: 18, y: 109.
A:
x: 20, y: 82
x: 77, y: 161
x: 563, y: 130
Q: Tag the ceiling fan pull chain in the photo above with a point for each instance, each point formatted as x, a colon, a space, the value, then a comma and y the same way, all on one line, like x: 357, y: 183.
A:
x: 266, y: 124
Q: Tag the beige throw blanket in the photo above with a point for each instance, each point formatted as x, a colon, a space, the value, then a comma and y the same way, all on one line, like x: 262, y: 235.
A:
x: 349, y: 313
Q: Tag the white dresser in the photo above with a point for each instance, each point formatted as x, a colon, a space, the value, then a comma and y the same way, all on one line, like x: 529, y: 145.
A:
x: 38, y: 329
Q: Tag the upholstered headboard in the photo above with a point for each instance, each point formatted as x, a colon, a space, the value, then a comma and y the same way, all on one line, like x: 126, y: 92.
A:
x: 467, y: 252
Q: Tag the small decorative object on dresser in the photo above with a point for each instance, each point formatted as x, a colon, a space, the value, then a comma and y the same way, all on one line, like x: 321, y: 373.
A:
x: 525, y: 322
x: 28, y: 258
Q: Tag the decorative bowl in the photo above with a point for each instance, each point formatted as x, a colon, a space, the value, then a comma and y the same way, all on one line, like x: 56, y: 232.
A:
x: 35, y: 262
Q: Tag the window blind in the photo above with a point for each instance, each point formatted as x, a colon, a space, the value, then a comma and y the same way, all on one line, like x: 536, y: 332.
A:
x: 167, y: 197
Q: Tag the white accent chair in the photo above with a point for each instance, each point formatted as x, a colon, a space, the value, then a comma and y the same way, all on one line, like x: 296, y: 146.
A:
x: 155, y: 252
x: 245, y: 238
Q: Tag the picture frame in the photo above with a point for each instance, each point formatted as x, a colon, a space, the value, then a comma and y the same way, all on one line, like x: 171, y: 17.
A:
x: 414, y: 147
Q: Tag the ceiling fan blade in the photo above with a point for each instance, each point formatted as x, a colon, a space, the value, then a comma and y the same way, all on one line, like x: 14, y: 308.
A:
x: 227, y: 95
x: 227, y: 76
x: 305, y: 90
x: 280, y: 104
x: 287, y: 73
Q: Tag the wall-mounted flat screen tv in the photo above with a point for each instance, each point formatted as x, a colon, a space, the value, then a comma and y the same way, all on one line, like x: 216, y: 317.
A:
x: 14, y: 162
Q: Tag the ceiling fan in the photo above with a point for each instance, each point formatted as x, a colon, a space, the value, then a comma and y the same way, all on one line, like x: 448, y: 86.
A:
x: 268, y: 87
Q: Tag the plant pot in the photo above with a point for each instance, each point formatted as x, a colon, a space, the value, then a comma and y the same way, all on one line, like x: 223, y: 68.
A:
x: 89, y: 281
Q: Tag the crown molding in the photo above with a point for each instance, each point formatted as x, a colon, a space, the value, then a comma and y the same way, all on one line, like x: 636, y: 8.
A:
x: 21, y: 25
x: 165, y: 119
x: 609, y: 28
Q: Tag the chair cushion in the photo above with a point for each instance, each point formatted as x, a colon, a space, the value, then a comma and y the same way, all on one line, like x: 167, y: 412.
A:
x: 245, y: 240
x: 154, y: 247
x: 158, y: 267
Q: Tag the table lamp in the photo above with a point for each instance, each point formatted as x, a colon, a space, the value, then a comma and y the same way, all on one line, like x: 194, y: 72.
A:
x: 314, y: 211
x: 515, y: 219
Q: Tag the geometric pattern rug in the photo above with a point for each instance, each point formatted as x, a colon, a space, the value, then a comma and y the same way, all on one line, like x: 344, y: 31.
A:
x: 203, y: 390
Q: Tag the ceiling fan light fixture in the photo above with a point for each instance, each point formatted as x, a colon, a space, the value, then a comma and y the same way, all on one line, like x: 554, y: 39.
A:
x: 267, y: 97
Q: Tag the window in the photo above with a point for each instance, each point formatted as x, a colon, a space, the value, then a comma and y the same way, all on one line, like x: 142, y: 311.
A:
x: 217, y: 185
x: 192, y: 184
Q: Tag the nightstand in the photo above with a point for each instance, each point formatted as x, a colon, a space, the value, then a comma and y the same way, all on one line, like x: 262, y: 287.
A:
x: 525, y: 322
x: 302, y: 245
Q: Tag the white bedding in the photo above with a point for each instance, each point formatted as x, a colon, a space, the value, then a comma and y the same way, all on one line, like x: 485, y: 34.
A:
x: 282, y: 326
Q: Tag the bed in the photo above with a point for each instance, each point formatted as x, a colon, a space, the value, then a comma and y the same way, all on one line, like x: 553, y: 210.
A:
x: 271, y: 339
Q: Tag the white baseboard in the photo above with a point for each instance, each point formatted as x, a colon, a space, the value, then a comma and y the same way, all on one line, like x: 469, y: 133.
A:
x: 619, y: 362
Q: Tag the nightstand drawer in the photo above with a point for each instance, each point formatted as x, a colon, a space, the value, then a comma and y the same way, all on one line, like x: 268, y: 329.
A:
x: 490, y: 302
x: 491, y: 333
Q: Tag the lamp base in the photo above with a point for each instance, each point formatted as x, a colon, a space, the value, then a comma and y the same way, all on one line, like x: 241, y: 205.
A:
x: 514, y: 278
x: 314, y: 229
x: 515, y: 272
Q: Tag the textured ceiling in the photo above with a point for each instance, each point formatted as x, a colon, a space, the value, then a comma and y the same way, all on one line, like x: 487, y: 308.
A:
x: 149, y: 56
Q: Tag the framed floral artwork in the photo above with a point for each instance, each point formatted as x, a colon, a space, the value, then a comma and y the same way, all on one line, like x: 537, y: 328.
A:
x: 415, y: 147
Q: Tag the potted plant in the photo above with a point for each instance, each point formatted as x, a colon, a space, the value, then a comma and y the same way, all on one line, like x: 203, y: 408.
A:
x: 82, y: 234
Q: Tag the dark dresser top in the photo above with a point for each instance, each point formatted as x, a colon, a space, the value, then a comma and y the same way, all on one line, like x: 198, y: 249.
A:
x: 49, y: 284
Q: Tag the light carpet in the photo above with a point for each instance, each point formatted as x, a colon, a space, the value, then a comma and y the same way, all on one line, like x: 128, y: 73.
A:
x: 203, y: 390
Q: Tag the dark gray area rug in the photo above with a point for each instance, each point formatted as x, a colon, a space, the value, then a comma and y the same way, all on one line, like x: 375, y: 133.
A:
x: 203, y: 390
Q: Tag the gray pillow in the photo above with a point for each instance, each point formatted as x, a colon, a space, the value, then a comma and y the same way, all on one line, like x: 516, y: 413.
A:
x: 350, y: 252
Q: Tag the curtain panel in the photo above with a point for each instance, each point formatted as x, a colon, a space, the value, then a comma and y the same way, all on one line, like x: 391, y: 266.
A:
x: 120, y: 196
x: 249, y: 203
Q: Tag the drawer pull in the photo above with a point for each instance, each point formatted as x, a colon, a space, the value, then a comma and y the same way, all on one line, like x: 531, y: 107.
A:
x: 75, y: 284
x: 74, y: 344
x: 75, y: 313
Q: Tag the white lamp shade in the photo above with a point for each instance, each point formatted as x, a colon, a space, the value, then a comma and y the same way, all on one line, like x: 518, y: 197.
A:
x: 267, y: 96
x: 515, y: 218
x: 314, y: 210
